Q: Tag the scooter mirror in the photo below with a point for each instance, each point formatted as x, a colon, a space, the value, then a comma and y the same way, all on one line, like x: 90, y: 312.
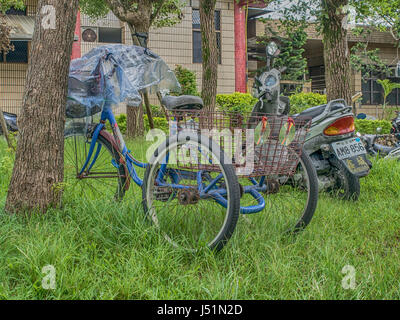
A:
x: 272, y: 49
x: 378, y: 130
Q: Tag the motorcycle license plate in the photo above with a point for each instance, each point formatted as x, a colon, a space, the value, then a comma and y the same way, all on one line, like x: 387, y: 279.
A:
x: 349, y: 148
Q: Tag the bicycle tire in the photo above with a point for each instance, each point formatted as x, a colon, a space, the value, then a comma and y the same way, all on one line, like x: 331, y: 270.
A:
x: 114, y: 154
x: 231, y: 181
x: 313, y: 194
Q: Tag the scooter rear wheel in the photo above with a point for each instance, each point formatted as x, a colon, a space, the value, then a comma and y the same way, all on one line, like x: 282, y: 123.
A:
x: 347, y: 185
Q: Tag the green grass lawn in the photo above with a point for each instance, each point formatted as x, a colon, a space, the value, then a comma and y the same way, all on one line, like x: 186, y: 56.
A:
x: 104, y: 250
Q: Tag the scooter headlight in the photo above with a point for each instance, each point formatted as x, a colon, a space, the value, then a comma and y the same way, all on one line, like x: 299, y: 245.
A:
x: 270, y: 81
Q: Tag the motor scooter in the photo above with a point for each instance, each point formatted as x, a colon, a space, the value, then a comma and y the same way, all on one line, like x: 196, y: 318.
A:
x: 338, y: 155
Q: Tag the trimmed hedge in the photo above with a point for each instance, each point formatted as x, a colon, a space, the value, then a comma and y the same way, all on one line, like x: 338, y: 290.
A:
x: 370, y: 126
x: 236, y: 102
x: 302, y: 101
x: 159, y: 123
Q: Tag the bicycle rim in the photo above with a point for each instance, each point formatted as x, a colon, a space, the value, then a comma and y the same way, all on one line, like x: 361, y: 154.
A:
x: 185, y: 220
x: 103, y: 180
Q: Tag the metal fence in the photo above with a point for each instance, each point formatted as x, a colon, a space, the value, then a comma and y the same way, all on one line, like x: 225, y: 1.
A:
x: 14, y: 65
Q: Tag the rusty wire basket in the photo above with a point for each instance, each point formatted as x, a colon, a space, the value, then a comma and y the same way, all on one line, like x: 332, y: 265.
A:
x: 256, y: 144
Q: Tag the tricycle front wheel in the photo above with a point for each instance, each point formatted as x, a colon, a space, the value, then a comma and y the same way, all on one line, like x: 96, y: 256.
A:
x: 191, y: 206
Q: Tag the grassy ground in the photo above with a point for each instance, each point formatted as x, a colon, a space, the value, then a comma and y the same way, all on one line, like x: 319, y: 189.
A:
x: 106, y: 251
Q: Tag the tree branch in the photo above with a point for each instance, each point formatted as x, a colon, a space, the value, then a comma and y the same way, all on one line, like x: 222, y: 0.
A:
x: 118, y: 9
x: 155, y: 14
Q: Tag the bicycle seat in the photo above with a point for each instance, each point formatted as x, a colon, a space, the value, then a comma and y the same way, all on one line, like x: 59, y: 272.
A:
x: 183, y: 102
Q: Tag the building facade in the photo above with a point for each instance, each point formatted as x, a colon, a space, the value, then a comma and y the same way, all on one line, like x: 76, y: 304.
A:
x: 177, y: 45
x: 181, y: 45
x: 314, y: 53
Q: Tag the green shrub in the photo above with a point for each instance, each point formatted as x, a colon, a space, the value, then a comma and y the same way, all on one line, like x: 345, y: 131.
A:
x: 159, y: 123
x: 302, y: 101
x: 157, y: 111
x: 236, y: 102
x: 187, y: 79
x: 370, y: 126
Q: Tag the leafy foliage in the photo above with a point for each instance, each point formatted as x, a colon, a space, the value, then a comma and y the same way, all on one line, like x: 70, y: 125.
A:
x: 302, y: 101
x: 159, y: 123
x: 383, y: 14
x: 7, y: 4
x: 5, y: 45
x: 370, y: 126
x: 292, y: 37
x: 388, y: 87
x: 366, y: 60
x: 236, y: 102
x: 164, y: 13
x: 187, y: 79
x: 157, y: 111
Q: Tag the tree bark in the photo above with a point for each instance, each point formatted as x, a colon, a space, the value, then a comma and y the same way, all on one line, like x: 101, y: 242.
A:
x: 5, y: 44
x: 39, y: 162
x: 209, y: 53
x: 336, y: 51
x: 134, y: 121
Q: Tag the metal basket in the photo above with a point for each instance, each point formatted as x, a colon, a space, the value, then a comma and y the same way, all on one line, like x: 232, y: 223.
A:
x: 256, y: 144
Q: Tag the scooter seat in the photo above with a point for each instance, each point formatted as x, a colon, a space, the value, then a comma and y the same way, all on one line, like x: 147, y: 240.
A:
x: 318, y: 110
x: 183, y: 102
x: 312, y: 112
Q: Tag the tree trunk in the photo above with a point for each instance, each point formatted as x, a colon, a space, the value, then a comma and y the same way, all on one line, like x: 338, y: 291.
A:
x: 336, y: 51
x: 134, y: 121
x: 209, y: 53
x: 135, y: 126
x: 5, y: 44
x: 39, y: 161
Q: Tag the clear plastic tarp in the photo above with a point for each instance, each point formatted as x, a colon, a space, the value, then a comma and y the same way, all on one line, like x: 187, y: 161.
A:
x: 114, y: 74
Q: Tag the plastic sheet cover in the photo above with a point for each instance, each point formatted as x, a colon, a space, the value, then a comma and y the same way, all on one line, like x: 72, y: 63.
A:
x: 114, y: 74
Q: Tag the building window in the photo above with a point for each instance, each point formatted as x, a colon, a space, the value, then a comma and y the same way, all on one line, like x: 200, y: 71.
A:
x: 197, y: 54
x: 16, y: 12
x: 371, y: 89
x: 19, y: 55
x: 110, y: 35
x: 102, y: 34
x: 394, y: 98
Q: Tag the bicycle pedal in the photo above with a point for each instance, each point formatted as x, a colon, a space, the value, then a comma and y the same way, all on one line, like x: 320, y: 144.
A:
x: 163, y: 193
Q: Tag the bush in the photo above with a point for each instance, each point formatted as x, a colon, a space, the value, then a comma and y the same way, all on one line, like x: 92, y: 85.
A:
x: 302, y: 101
x: 188, y: 81
x: 156, y: 111
x: 159, y: 123
x: 236, y: 102
x: 370, y: 126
